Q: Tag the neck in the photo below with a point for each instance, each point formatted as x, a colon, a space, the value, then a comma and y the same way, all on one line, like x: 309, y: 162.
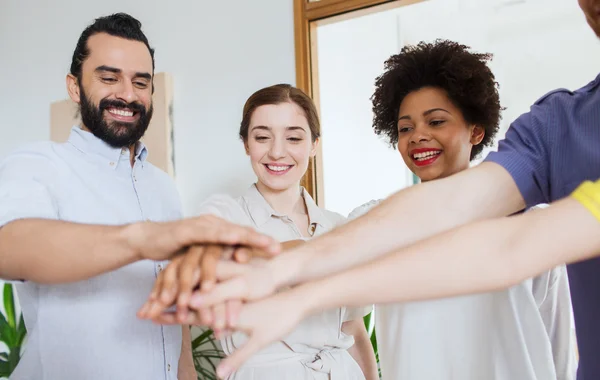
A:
x: 286, y: 202
x: 132, y: 154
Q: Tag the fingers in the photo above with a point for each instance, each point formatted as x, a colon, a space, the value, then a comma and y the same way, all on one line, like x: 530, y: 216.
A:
x: 171, y: 318
x: 244, y: 254
x: 206, y: 316
x: 164, y: 292
x: 239, y: 357
x: 219, y: 231
x: 229, y: 290
x: 189, y: 276
x: 229, y: 269
x: 209, y: 267
x: 233, y: 310
x: 219, y: 317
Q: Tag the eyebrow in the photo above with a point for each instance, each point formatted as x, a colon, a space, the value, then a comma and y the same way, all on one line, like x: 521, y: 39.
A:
x: 290, y: 128
x: 407, y: 117
x: 115, y: 70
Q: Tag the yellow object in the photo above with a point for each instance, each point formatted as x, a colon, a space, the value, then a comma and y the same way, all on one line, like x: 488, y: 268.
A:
x: 588, y: 194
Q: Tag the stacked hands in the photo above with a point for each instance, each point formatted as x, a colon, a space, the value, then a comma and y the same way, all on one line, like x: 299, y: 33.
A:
x: 223, y: 284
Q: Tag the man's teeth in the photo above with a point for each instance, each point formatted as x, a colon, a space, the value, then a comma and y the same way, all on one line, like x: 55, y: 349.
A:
x: 278, y: 168
x: 425, y: 155
x: 120, y: 112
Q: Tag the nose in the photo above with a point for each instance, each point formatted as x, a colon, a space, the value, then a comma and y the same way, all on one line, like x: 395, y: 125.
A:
x: 420, y: 134
x: 277, y: 149
x: 126, y: 92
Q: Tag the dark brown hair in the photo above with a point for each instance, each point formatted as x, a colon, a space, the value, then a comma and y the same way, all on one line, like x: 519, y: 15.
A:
x: 277, y: 94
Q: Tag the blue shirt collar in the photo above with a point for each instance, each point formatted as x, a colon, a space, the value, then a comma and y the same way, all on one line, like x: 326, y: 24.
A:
x: 87, y: 143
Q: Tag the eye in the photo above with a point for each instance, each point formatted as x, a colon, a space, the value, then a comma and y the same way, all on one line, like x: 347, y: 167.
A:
x: 109, y: 80
x: 141, y: 84
x: 435, y: 123
x: 404, y: 129
x: 294, y: 139
x: 261, y: 138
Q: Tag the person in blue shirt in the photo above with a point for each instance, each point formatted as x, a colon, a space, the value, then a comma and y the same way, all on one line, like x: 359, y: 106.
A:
x: 87, y: 225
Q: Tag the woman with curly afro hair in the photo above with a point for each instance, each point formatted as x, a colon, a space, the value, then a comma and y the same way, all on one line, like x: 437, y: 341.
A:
x: 438, y: 103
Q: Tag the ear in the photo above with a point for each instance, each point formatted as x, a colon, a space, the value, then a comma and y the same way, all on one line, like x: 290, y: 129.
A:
x: 73, y: 88
x: 477, y: 135
x: 313, y: 150
x: 246, y: 147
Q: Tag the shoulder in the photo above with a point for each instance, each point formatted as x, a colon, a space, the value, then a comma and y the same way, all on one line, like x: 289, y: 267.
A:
x: 335, y: 218
x: 39, y: 159
x: 224, y: 206
x: 563, y: 99
x: 41, y: 150
x: 363, y: 209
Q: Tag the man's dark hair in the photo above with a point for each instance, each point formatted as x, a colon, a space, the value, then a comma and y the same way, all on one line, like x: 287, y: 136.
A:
x: 447, y: 65
x: 118, y: 25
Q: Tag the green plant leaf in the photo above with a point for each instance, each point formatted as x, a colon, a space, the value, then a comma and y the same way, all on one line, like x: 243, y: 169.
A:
x: 7, y: 334
x: 9, y: 305
x: 3, y: 327
x: 21, y: 331
x: 5, y: 370
x: 201, y: 339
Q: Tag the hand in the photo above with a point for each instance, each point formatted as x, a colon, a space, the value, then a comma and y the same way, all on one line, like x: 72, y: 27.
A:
x: 264, y: 322
x: 198, y: 266
x: 247, y: 282
x: 162, y: 241
x: 237, y: 282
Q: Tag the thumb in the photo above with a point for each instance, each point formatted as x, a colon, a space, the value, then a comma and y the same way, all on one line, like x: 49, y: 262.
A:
x: 234, y: 361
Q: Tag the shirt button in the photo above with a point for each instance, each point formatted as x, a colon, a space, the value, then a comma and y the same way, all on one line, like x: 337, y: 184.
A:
x: 168, y: 367
x: 160, y: 268
x: 112, y: 164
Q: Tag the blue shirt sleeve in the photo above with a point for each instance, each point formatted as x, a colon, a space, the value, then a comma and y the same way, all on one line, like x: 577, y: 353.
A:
x: 26, y: 187
x: 524, y: 153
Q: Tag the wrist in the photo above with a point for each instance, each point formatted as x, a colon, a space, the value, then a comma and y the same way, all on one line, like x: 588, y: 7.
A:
x: 286, y: 268
x: 130, y: 236
x: 308, y: 297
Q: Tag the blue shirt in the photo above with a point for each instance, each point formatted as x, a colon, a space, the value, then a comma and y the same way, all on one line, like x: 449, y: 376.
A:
x: 89, y: 329
x: 549, y: 151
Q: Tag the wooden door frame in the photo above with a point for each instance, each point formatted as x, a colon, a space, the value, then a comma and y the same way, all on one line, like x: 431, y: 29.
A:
x: 306, y: 16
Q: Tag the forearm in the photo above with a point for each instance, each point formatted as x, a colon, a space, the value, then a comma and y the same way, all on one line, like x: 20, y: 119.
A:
x: 50, y: 251
x: 362, y: 349
x: 186, y: 369
x: 404, y: 218
x: 480, y: 257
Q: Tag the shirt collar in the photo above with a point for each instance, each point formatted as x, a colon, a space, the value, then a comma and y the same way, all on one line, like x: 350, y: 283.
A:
x: 261, y: 211
x: 87, y: 143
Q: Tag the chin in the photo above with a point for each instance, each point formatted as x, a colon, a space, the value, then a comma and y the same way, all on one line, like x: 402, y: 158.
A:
x: 277, y: 184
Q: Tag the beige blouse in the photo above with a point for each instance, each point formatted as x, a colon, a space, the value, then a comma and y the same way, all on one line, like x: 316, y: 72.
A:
x: 317, y: 348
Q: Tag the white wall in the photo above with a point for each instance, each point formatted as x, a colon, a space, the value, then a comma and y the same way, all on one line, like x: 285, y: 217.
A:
x: 218, y: 52
x: 538, y: 46
x: 358, y: 166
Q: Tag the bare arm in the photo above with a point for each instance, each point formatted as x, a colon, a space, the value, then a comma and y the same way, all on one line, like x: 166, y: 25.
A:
x: 454, y: 262
x: 449, y: 264
x: 362, y: 350
x: 404, y: 218
x: 186, y: 369
x: 50, y: 251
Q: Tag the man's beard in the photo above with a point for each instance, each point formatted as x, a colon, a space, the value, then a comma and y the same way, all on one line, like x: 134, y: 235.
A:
x: 117, y: 134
